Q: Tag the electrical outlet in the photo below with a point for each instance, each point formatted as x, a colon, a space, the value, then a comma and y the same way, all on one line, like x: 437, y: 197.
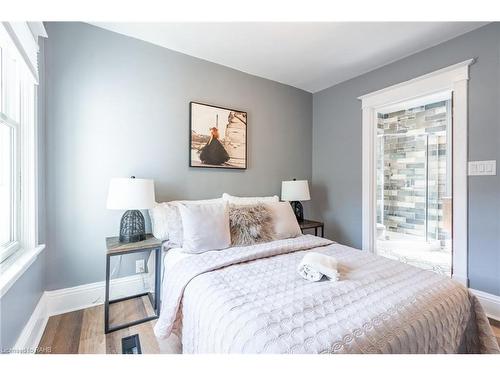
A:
x: 139, y: 266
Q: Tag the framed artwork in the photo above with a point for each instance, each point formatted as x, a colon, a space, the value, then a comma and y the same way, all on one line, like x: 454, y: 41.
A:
x: 218, y: 137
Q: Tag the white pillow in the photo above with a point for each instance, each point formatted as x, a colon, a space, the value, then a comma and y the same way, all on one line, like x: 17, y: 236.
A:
x: 284, y: 220
x: 174, y: 225
x: 166, y: 221
x: 205, y: 227
x: 241, y: 201
x: 199, y: 201
x: 159, y: 217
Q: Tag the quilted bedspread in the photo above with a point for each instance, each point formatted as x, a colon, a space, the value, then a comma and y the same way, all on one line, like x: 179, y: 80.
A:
x: 251, y: 300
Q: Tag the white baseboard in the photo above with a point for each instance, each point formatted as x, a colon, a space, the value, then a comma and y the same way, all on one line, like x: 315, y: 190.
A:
x: 490, y: 303
x: 61, y: 301
x: 83, y: 296
x: 29, y: 338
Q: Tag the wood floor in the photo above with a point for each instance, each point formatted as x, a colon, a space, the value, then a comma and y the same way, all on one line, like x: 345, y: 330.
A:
x: 82, y: 331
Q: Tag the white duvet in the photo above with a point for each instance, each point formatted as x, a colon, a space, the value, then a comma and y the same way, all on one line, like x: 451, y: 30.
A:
x: 251, y: 300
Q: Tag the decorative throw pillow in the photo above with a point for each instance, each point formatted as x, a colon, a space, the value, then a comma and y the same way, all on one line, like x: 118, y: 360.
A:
x: 166, y: 223
x: 285, y: 223
x: 174, y: 221
x: 249, y: 200
x: 159, y: 217
x: 174, y: 225
x: 205, y: 227
x: 250, y: 224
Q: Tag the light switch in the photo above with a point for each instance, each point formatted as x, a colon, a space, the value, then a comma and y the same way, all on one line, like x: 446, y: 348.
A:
x: 483, y: 168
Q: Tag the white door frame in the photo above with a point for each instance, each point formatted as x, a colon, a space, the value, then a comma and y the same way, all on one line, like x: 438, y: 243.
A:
x: 453, y: 79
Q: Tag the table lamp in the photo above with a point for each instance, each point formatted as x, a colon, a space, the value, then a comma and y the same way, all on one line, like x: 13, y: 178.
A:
x: 131, y: 194
x: 294, y: 192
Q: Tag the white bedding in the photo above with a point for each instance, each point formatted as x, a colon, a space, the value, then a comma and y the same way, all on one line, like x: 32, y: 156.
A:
x: 172, y: 257
x: 251, y: 300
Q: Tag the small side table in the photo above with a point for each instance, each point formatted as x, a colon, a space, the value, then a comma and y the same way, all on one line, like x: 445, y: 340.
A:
x: 311, y: 224
x: 115, y: 247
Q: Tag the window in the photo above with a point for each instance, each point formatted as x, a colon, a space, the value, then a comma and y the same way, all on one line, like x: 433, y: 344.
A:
x: 17, y: 150
x: 8, y: 189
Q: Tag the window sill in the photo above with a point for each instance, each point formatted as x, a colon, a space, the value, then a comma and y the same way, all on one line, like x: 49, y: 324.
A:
x: 14, y: 266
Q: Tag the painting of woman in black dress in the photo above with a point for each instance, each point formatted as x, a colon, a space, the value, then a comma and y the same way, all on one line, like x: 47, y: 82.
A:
x: 214, y: 152
x: 218, y: 137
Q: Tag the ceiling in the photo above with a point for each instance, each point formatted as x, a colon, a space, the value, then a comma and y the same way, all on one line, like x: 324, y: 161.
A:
x: 310, y: 56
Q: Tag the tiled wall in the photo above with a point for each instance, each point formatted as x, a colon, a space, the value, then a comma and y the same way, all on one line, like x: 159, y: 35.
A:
x: 410, y: 177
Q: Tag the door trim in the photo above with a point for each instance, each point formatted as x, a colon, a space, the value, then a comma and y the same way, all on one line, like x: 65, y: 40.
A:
x: 452, y: 79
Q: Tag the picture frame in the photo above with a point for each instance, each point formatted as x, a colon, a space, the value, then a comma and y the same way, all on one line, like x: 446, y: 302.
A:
x: 218, y: 137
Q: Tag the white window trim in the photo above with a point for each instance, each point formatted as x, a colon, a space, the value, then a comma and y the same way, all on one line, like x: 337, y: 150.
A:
x: 14, y: 266
x: 453, y: 78
x: 24, y: 36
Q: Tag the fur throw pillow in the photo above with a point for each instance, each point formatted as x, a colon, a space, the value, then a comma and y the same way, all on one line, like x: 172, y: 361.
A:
x: 250, y: 224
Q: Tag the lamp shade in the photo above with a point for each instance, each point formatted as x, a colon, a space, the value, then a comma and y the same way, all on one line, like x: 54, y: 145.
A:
x: 295, y: 191
x: 130, y: 194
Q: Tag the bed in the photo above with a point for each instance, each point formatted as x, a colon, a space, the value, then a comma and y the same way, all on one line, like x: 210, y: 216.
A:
x: 250, y: 299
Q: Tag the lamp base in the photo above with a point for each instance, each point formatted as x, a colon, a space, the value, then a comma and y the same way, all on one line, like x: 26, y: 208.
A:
x: 132, y: 228
x: 298, y: 210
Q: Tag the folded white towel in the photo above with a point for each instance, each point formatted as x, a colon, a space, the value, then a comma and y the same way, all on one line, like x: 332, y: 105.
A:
x: 316, y: 265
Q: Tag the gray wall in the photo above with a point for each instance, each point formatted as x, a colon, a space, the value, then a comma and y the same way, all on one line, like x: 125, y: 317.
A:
x: 17, y: 305
x: 117, y: 106
x: 337, y: 146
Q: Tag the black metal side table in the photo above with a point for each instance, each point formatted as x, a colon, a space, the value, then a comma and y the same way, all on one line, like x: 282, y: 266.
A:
x: 115, y: 247
x: 311, y: 224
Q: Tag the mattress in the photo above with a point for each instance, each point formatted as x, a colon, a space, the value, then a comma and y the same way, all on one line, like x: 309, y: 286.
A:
x: 251, y: 300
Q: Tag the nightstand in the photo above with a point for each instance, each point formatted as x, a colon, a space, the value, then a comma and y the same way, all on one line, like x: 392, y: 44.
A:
x: 115, y: 247
x: 311, y: 224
